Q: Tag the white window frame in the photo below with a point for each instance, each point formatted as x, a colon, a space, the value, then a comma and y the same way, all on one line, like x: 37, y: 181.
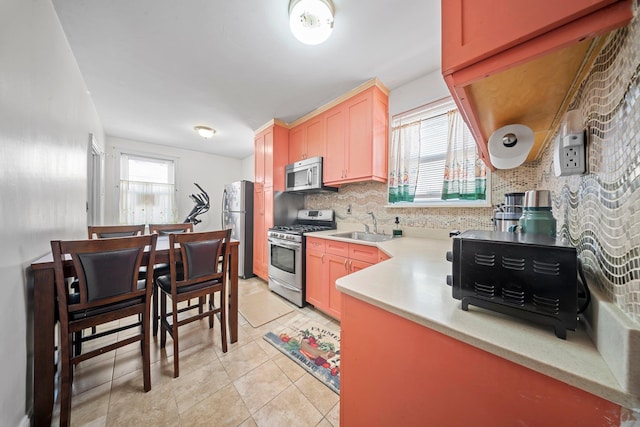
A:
x: 434, y: 109
x: 117, y: 171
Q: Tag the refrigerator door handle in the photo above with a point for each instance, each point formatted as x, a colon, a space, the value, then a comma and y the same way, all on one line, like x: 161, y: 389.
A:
x: 224, y: 199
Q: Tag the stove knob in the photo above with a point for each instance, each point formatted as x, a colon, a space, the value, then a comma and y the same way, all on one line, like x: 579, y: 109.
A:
x: 449, y: 280
x: 450, y: 256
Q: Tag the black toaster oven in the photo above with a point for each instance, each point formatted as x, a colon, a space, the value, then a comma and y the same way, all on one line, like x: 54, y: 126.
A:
x: 530, y: 276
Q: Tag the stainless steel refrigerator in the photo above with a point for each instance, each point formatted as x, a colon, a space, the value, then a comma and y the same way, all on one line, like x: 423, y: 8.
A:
x: 237, y: 214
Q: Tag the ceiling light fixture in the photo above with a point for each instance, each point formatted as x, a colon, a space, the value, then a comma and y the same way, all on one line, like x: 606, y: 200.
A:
x: 311, y: 21
x: 204, y: 131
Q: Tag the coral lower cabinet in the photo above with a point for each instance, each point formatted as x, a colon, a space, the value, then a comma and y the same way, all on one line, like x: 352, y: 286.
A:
x: 271, y: 152
x: 446, y: 382
x: 508, y: 62
x: 326, y: 262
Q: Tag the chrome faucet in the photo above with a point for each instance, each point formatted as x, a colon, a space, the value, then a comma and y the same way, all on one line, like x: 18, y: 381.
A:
x: 375, y: 223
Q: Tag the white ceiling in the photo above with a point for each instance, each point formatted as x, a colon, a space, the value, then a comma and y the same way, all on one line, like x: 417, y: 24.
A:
x: 157, y: 68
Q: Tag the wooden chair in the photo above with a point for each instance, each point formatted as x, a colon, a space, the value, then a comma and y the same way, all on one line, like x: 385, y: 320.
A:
x: 108, y: 290
x: 163, y: 269
x: 203, y: 275
x: 109, y: 231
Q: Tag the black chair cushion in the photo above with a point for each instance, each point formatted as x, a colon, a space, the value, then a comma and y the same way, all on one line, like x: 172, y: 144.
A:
x: 74, y: 298
x: 165, y: 283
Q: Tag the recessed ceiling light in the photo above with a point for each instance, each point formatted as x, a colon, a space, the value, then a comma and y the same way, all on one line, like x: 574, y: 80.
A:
x: 311, y: 21
x: 204, y: 131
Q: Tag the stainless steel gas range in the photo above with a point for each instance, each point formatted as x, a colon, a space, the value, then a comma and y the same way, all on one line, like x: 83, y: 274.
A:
x: 287, y: 252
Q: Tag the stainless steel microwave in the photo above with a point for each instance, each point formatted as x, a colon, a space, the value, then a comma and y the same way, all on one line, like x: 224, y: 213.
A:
x: 305, y: 176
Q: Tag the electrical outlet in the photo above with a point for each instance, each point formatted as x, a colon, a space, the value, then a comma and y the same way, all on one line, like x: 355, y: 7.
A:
x: 569, y: 157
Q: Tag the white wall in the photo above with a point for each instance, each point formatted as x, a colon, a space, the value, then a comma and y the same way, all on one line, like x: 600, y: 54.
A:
x: 211, y: 172
x: 248, y: 168
x: 45, y: 120
x: 416, y: 93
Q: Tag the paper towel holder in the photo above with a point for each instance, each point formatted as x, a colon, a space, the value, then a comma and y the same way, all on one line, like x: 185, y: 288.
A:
x: 510, y: 145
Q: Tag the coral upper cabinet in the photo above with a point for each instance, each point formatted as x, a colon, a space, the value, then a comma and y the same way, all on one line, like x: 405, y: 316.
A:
x: 307, y: 140
x: 356, y: 133
x: 509, y: 62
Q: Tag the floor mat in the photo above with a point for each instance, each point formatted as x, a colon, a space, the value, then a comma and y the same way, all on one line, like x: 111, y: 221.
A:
x: 262, y: 307
x: 314, y: 347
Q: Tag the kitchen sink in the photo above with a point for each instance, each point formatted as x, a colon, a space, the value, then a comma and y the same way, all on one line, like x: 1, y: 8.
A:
x: 367, y: 237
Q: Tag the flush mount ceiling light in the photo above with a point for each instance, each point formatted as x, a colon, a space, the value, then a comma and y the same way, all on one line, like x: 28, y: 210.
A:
x: 204, y: 131
x: 311, y: 21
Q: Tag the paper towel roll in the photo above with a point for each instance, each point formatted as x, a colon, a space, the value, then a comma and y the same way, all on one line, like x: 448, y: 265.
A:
x: 510, y: 145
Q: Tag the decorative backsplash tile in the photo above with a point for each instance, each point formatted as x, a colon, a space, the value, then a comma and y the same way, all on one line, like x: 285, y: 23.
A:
x: 598, y: 212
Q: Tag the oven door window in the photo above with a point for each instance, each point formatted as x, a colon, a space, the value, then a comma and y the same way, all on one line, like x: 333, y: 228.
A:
x: 283, y: 258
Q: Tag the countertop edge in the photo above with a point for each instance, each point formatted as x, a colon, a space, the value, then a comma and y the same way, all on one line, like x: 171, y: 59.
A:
x: 455, y: 323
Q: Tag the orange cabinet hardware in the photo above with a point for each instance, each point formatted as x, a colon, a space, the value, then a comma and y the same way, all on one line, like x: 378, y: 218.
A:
x: 527, y: 71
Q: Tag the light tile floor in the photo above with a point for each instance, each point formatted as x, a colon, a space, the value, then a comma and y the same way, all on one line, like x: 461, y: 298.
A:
x: 253, y: 384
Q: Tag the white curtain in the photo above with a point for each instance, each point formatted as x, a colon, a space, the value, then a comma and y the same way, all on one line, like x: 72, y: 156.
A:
x: 147, y: 203
x: 405, y: 160
x: 465, y: 174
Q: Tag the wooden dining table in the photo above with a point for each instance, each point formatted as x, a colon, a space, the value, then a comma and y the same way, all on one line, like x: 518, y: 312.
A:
x: 44, y: 320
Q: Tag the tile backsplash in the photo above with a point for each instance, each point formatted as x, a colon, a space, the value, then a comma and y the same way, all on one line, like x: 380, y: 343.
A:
x: 598, y: 212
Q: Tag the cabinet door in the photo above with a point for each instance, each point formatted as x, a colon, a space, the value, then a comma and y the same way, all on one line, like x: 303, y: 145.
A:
x: 317, y: 291
x: 336, y: 267
x: 475, y: 30
x: 335, y: 131
x: 259, y: 159
x: 297, y: 143
x: 359, y: 157
x: 268, y: 158
x: 382, y: 256
x: 315, y: 143
x: 259, y: 233
x: 337, y: 248
x: 368, y: 254
x: 357, y: 265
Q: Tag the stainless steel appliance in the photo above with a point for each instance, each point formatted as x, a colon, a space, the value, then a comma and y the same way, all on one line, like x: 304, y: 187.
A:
x: 237, y: 214
x: 305, y: 176
x: 287, y: 252
x: 508, y: 213
x: 530, y: 276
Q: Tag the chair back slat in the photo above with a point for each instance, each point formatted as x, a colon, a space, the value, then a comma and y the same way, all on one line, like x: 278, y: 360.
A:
x: 113, y: 231
x: 165, y: 229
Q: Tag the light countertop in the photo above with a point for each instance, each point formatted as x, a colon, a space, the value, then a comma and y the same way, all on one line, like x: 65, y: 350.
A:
x: 412, y: 285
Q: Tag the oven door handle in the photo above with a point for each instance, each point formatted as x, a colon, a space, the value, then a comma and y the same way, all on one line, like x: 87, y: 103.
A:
x: 284, y: 245
x: 284, y: 285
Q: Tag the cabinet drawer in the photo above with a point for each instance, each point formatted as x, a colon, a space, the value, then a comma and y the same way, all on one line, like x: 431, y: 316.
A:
x: 363, y: 253
x: 313, y: 243
x: 337, y: 248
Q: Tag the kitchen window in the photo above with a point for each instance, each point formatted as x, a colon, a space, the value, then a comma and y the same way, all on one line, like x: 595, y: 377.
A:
x: 434, y: 160
x: 147, y: 190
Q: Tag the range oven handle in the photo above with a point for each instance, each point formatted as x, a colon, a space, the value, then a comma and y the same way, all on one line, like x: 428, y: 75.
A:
x: 284, y: 285
x: 293, y: 246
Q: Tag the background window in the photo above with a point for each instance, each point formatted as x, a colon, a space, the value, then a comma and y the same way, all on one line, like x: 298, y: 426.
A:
x: 147, y: 190
x: 433, y: 159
